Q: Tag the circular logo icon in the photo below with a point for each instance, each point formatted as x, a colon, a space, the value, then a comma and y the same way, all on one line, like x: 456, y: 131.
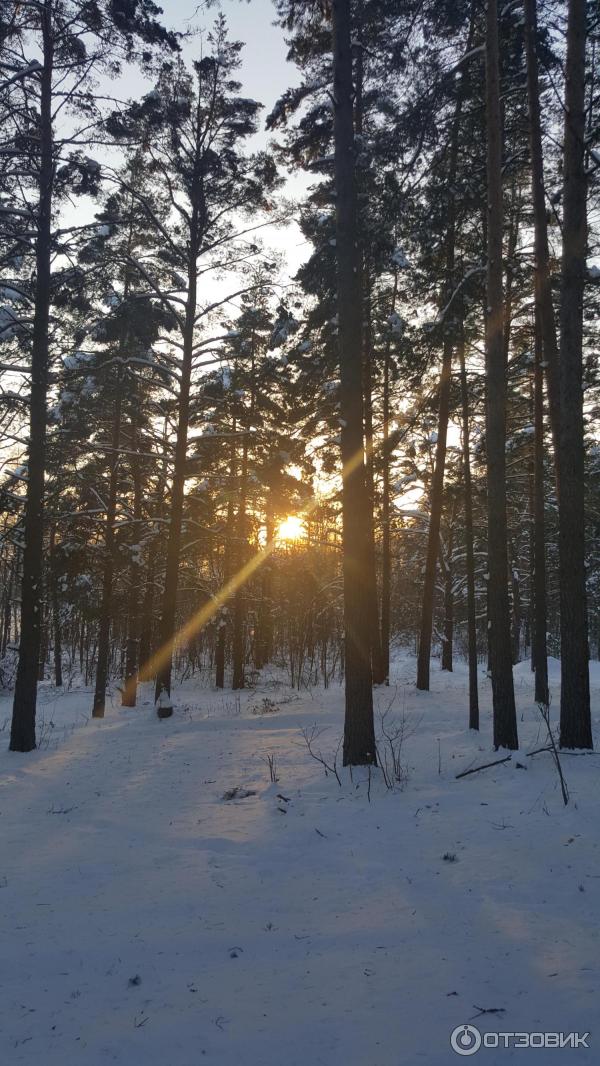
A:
x: 465, y: 1040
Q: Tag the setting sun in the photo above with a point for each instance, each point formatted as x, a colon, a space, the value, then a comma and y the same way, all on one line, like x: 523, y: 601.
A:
x: 291, y: 528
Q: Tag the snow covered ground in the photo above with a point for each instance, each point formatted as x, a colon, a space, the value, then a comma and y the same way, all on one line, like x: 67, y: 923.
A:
x: 148, y: 921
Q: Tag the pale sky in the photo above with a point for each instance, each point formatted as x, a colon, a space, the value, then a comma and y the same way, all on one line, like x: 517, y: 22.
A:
x: 265, y: 72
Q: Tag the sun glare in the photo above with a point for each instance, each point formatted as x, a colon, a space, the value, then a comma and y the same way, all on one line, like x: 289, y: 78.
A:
x: 292, y: 528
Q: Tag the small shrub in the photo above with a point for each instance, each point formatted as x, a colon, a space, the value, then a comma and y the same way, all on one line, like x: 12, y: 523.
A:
x: 266, y: 706
x: 271, y: 761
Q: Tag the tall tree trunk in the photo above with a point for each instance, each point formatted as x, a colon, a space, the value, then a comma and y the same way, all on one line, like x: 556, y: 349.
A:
x: 106, y: 606
x: 134, y: 620
x: 145, y: 654
x: 540, y: 654
x: 44, y: 639
x: 82, y: 645
x: 505, y: 718
x: 56, y: 626
x: 545, y: 321
x: 359, y: 732
x: 169, y: 603
x: 238, y: 637
x: 238, y: 649
x: 448, y: 641
x: 102, y: 666
x: 7, y: 612
x: 517, y: 619
x: 372, y: 606
x: 377, y: 666
x: 511, y: 248
x: 228, y: 548
x: 220, y: 653
x: 531, y: 494
x: 514, y: 209
x: 437, y: 488
x: 470, y: 554
x: 575, y: 720
x: 22, y: 736
x: 264, y: 622
x: 386, y: 540
x: 435, y: 517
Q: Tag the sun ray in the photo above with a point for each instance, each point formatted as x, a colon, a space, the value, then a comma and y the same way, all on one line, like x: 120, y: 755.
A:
x: 209, y: 610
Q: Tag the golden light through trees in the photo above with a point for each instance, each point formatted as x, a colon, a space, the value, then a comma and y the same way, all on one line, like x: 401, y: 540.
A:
x: 291, y: 528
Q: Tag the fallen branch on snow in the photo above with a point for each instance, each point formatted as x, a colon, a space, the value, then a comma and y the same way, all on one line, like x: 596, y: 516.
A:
x: 487, y: 1010
x: 537, y: 751
x: 486, y: 766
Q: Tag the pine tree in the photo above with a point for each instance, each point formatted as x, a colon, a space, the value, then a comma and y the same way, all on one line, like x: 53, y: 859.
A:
x: 545, y: 321
x: 194, y: 126
x: 76, y: 40
x: 359, y: 737
x: 575, y: 720
x: 505, y: 720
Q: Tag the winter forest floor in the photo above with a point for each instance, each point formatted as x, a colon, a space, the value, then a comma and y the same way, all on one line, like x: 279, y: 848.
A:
x: 148, y: 920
